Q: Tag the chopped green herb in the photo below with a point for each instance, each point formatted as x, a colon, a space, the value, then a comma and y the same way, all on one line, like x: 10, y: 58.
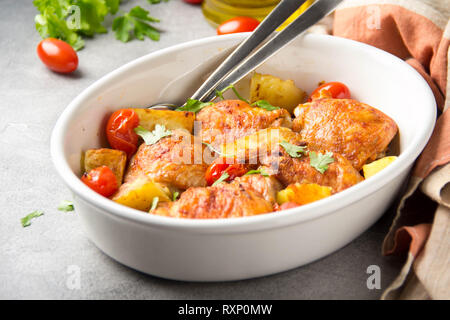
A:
x: 193, y: 105
x: 154, y: 203
x: 263, y: 104
x: 156, y: 1
x: 221, y: 179
x: 66, y: 206
x: 259, y: 171
x: 231, y: 86
x: 51, y: 22
x: 293, y: 150
x: 175, y: 196
x: 154, y: 136
x: 135, y: 22
x: 26, y: 221
x: 320, y: 161
x: 210, y: 147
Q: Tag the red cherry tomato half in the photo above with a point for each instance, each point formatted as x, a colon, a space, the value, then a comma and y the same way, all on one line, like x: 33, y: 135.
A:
x: 216, y: 170
x: 287, y: 205
x: 120, y: 131
x: 102, y: 180
x: 193, y: 1
x: 336, y: 90
x: 57, y: 55
x: 237, y: 24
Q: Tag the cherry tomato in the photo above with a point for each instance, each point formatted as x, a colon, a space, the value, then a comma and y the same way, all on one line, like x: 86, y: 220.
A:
x: 102, y: 180
x: 237, y: 24
x: 57, y: 55
x: 287, y: 205
x: 120, y: 131
x: 216, y: 170
x: 193, y: 1
x: 336, y: 90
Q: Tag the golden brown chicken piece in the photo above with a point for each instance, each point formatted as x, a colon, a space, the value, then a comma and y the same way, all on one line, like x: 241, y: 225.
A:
x: 171, y: 161
x: 245, y: 196
x: 231, y: 119
x: 263, y: 148
x: 340, y: 174
x: 353, y: 129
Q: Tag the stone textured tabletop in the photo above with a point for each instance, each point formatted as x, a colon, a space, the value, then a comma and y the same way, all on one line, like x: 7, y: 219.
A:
x: 37, y: 262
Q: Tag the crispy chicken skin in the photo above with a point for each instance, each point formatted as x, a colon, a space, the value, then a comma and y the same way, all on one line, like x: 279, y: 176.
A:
x: 353, y: 129
x: 340, y: 174
x: 231, y: 119
x: 263, y: 148
x: 170, y: 161
x: 245, y: 196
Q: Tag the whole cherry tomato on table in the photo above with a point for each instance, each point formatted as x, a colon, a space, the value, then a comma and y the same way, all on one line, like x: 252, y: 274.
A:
x: 216, y: 170
x: 120, y: 131
x: 102, y: 180
x: 237, y: 24
x: 57, y: 55
x: 336, y: 90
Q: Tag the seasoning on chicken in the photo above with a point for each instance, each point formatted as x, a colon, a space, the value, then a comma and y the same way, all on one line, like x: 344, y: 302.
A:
x: 353, y: 129
x: 229, y: 120
x: 264, y: 148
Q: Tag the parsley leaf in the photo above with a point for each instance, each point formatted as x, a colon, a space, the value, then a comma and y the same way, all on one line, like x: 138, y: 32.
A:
x: 175, y: 196
x: 263, y: 104
x: 26, y: 221
x: 51, y: 23
x: 154, y: 203
x: 66, y: 206
x: 259, y: 171
x: 210, y: 147
x: 113, y: 5
x: 154, y: 136
x: 222, y: 178
x: 293, y: 150
x: 231, y: 86
x: 320, y: 161
x: 193, y: 105
x: 135, y: 23
x: 156, y: 1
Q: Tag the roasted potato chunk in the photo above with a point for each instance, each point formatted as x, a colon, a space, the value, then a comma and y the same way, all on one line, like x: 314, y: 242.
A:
x: 376, y: 166
x: 139, y: 193
x: 172, y: 120
x: 280, y: 93
x: 303, y: 193
x: 113, y: 159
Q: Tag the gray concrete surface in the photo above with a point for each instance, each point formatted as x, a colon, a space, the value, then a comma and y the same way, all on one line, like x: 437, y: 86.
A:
x: 35, y: 261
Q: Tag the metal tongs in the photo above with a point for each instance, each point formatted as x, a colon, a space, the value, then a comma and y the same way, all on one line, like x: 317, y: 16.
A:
x: 256, y: 49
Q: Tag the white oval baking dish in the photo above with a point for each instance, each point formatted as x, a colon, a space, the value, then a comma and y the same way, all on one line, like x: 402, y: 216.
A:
x: 232, y: 249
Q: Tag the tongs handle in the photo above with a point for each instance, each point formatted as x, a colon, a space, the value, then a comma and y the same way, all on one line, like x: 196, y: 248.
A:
x: 242, y: 61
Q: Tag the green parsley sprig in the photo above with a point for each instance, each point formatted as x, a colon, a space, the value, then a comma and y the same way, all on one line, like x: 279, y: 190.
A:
x: 259, y: 171
x: 231, y: 86
x: 71, y: 20
x: 263, y: 104
x: 66, y: 206
x: 135, y: 23
x: 26, y: 221
x: 293, y: 150
x: 221, y: 179
x: 152, y: 137
x: 320, y: 161
x: 154, y: 203
x: 193, y: 105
